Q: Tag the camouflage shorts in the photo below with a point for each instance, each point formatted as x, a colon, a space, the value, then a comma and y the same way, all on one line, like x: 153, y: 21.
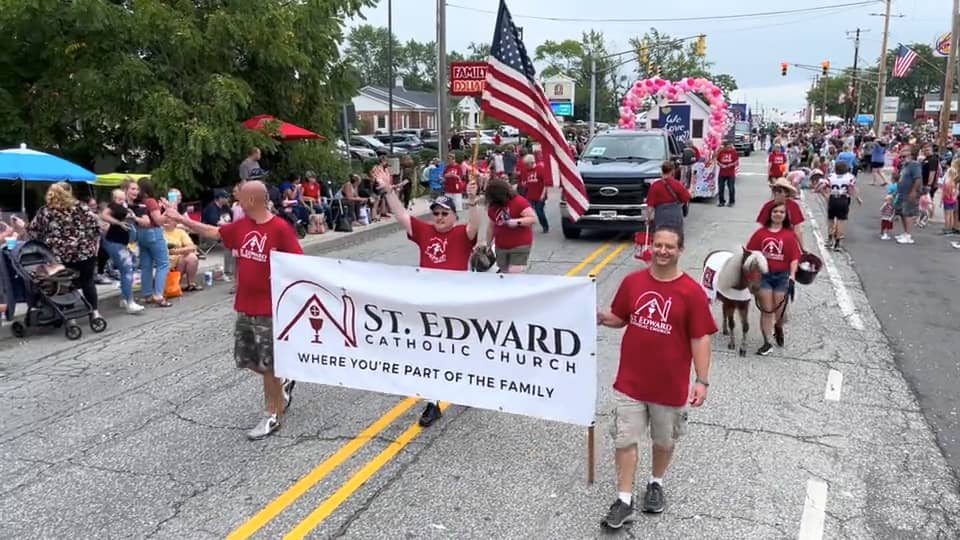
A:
x: 253, y: 343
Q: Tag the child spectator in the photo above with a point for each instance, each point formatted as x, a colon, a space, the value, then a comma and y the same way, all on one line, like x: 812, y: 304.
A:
x: 886, y: 217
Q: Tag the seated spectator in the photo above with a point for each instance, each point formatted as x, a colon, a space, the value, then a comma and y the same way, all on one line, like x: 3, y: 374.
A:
x: 313, y: 194
x: 183, y: 254
x: 349, y: 196
x: 218, y: 211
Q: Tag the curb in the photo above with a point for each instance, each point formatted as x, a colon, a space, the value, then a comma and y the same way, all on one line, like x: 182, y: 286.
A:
x: 345, y: 241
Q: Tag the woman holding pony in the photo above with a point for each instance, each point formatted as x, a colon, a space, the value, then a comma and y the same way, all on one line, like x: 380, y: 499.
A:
x: 778, y: 242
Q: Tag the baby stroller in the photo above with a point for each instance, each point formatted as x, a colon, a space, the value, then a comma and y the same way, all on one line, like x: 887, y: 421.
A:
x: 51, y: 298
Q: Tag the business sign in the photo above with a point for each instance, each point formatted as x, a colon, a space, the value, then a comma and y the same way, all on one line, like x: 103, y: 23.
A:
x: 891, y: 108
x: 558, y: 90
x: 942, y: 45
x: 676, y: 120
x: 525, y: 345
x: 562, y: 108
x: 466, y: 78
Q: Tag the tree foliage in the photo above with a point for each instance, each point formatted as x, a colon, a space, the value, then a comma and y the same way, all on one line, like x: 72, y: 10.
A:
x: 166, y: 83
x: 676, y: 59
x: 925, y: 77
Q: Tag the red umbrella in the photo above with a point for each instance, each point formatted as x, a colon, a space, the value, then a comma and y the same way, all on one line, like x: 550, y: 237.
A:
x: 286, y: 131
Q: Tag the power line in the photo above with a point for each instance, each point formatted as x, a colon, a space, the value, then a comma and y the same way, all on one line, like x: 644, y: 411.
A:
x: 676, y: 19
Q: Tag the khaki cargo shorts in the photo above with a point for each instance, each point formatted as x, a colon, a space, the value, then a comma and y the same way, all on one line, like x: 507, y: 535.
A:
x: 253, y: 343
x: 635, y: 422
x: 518, y: 256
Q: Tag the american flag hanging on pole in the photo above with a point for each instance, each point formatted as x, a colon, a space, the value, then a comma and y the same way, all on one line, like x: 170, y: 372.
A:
x: 512, y: 95
x: 905, y: 60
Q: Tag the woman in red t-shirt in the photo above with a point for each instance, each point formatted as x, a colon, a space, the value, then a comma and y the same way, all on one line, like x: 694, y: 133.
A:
x: 778, y: 164
x: 511, y: 219
x: 779, y: 245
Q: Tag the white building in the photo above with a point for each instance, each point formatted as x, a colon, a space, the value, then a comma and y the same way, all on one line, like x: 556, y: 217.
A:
x: 699, y: 116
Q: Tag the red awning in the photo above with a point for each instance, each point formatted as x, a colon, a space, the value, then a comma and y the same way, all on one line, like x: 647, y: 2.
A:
x: 286, y: 130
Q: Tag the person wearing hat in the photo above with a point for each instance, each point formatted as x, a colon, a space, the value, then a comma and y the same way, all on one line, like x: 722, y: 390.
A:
x: 444, y: 244
x: 218, y: 211
x: 778, y: 243
x: 784, y: 193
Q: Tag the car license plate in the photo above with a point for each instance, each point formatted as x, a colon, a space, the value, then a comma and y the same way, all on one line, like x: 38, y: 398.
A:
x: 608, y: 214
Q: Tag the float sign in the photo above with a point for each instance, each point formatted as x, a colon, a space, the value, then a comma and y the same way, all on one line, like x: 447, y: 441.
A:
x: 676, y: 120
x: 466, y: 78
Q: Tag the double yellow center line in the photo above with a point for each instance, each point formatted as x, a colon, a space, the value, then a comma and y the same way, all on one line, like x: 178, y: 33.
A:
x: 329, y: 505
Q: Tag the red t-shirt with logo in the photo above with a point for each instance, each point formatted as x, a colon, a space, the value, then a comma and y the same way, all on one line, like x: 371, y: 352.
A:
x: 780, y: 248
x: 534, y: 182
x: 450, y: 250
x: 794, y: 212
x: 253, y: 242
x: 655, y: 354
x: 506, y: 237
x: 728, y: 159
x: 778, y: 164
x: 452, y: 184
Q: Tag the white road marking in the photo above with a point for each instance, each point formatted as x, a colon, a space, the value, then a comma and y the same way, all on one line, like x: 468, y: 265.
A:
x: 814, y: 508
x: 847, y: 307
x: 834, y: 385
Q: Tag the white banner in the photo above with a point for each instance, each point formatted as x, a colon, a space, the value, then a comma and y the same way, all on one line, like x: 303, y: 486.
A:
x: 523, y: 344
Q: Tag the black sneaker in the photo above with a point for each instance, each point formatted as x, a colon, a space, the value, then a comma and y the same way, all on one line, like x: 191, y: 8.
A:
x: 730, y: 205
x: 619, y: 514
x: 288, y: 385
x: 721, y: 204
x: 765, y: 349
x: 430, y: 414
x: 653, y: 500
x: 778, y: 335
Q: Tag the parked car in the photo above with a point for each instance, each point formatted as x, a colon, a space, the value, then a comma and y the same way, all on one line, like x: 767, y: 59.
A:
x: 410, y: 143
x: 372, y: 143
x: 617, y: 168
x: 355, y: 152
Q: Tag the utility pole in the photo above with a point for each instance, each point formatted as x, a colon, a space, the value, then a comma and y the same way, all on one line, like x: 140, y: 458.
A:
x: 443, y: 121
x: 948, y: 79
x: 882, y: 75
x: 390, y: 72
x: 855, y: 98
x: 593, y: 93
x: 823, y: 108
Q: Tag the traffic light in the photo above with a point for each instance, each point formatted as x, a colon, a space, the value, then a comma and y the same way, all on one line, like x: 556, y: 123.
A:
x: 644, y: 54
x: 649, y: 67
x: 826, y: 67
x: 659, y: 71
x: 701, y: 47
x: 783, y: 68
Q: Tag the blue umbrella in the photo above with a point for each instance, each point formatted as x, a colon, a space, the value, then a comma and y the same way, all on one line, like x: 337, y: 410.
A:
x: 28, y: 165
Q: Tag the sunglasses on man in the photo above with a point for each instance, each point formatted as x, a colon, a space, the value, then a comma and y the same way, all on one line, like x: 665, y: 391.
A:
x: 440, y: 213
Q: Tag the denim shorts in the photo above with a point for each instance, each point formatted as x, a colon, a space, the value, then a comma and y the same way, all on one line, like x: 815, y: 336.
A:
x: 776, y: 281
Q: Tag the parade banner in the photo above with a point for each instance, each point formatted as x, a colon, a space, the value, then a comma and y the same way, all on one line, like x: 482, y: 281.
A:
x: 676, y: 120
x: 523, y: 344
x: 703, y: 180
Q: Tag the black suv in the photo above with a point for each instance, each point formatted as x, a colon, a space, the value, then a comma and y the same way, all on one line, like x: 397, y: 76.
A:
x: 617, y: 168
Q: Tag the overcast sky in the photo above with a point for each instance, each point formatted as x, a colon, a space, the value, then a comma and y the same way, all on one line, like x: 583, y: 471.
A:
x: 751, y: 49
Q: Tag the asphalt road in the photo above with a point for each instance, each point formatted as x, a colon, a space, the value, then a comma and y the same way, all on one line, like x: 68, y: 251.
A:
x: 913, y: 289
x: 139, y: 432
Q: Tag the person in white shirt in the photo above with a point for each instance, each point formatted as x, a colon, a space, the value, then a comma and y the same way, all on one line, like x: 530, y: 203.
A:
x: 838, y: 189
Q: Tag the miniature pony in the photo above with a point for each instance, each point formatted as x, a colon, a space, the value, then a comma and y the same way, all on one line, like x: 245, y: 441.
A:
x: 736, y: 284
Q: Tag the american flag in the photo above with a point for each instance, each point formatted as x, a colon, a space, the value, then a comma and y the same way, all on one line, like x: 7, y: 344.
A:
x: 512, y: 95
x: 905, y: 60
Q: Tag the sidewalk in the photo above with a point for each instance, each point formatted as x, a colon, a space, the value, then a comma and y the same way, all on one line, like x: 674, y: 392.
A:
x: 313, y: 244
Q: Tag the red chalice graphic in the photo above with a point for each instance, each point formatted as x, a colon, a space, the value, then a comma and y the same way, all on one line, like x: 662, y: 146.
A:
x: 316, y: 322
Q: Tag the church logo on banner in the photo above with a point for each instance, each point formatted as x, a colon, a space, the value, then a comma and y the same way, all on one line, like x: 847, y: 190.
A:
x: 524, y: 345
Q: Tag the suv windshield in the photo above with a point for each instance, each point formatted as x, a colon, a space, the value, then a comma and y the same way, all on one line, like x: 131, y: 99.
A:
x: 611, y: 148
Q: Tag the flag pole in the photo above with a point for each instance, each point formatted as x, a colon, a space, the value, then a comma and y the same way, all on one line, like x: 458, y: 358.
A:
x: 476, y: 146
x: 591, y: 458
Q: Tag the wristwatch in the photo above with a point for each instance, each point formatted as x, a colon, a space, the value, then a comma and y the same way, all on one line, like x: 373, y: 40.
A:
x: 703, y: 382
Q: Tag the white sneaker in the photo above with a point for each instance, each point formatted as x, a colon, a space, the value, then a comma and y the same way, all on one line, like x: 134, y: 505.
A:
x: 884, y: 236
x: 123, y: 304
x: 266, y: 426
x: 907, y: 239
x: 955, y: 245
x: 133, y: 307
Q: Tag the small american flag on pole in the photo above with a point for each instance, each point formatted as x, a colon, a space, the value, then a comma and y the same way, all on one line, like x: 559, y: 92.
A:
x: 512, y: 95
x: 905, y: 60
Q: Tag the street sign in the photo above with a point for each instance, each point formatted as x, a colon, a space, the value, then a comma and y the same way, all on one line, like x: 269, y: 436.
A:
x: 466, y: 78
x: 561, y: 108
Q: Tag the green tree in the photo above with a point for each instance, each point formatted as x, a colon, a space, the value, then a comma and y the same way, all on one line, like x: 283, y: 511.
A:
x: 676, y: 59
x: 367, y: 53
x: 167, y: 82
x: 925, y: 77
x: 828, y: 90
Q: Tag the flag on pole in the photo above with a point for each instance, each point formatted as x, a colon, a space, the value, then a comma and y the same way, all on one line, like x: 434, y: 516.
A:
x: 512, y: 95
x: 905, y: 60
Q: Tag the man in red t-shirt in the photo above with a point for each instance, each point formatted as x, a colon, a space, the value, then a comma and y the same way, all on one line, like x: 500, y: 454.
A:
x: 443, y: 244
x: 669, y: 323
x: 535, y: 182
x: 253, y: 237
x: 728, y: 159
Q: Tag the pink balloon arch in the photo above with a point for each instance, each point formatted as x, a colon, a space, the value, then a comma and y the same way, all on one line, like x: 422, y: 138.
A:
x: 673, y: 91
